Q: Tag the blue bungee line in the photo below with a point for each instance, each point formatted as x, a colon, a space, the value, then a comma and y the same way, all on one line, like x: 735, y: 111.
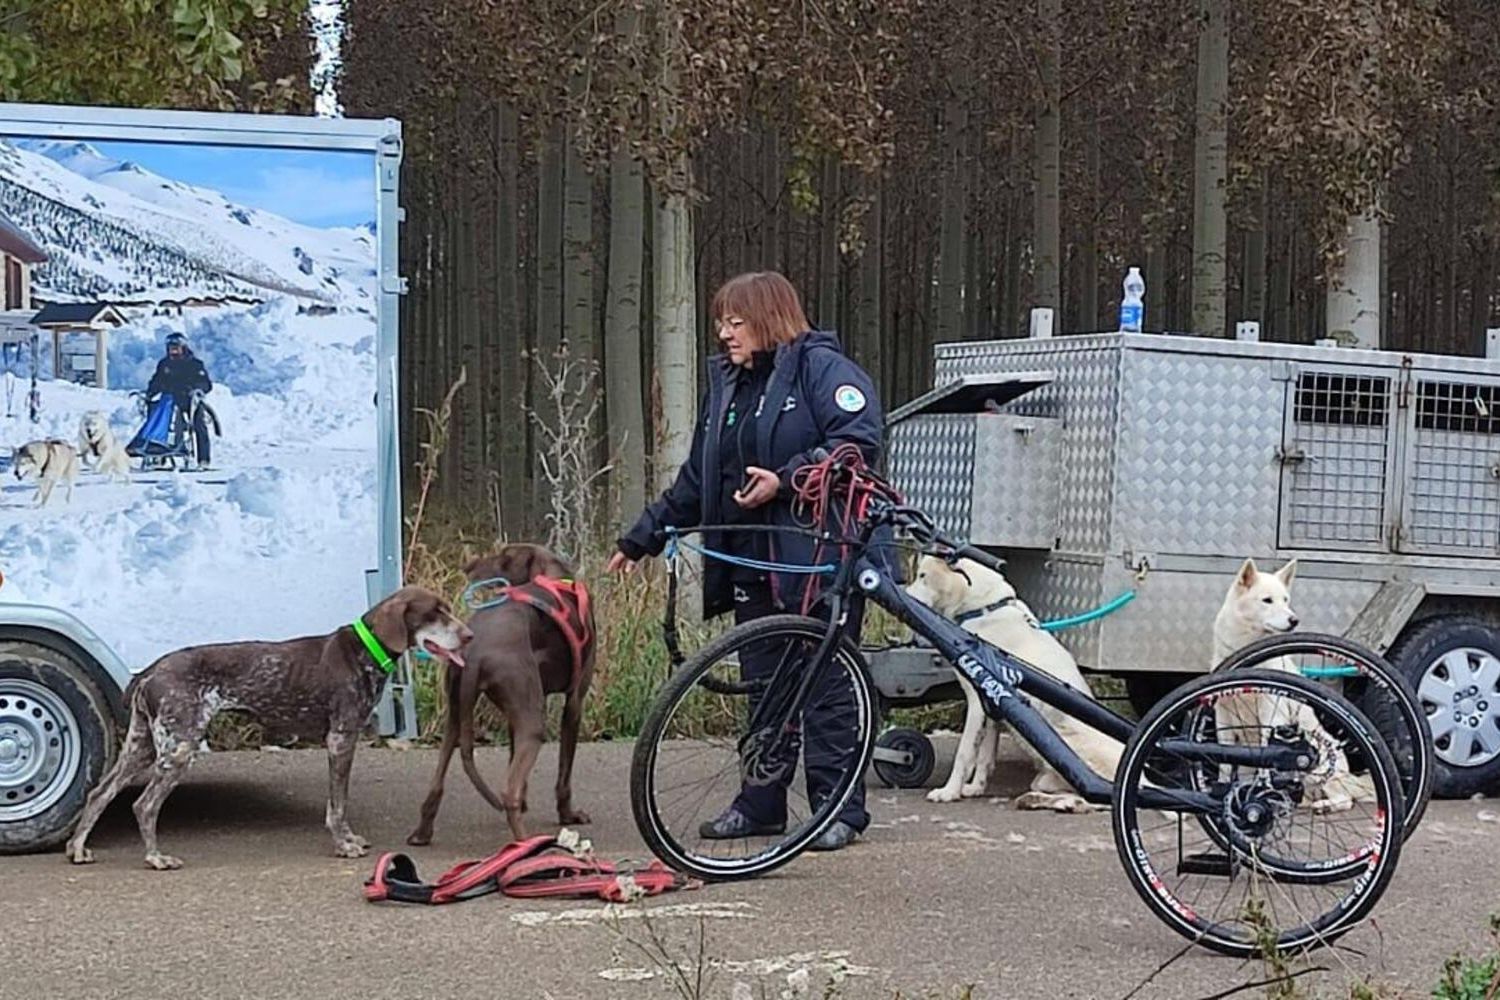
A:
x: 674, y: 539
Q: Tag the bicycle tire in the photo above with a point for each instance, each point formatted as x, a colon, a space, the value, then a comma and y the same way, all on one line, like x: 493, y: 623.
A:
x: 1379, y: 861
x: 1400, y: 708
x: 655, y: 831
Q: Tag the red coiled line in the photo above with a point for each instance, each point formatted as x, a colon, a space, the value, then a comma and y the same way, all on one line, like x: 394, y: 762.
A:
x: 839, y: 483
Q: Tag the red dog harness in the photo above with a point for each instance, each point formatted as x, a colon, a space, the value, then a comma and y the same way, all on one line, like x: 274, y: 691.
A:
x: 566, y: 603
x: 530, y: 868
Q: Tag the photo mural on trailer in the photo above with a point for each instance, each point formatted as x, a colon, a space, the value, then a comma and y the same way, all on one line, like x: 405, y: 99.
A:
x: 187, y: 388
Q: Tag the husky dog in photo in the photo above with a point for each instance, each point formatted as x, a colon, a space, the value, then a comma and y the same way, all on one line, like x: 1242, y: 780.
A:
x: 98, y: 446
x: 49, y: 462
x: 1259, y: 604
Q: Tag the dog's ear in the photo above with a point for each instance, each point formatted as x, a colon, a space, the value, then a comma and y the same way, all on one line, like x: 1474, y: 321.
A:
x: 1247, y: 576
x: 1287, y: 574
x: 388, y: 621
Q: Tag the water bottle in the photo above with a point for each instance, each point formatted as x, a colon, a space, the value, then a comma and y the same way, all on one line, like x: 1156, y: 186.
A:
x: 1133, y: 306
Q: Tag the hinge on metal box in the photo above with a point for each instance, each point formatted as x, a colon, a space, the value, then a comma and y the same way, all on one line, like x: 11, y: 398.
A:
x: 395, y: 285
x: 1404, y: 380
x: 1290, y: 456
x: 1397, y: 534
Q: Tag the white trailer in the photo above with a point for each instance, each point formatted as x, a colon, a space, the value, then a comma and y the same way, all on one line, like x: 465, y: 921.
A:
x: 269, y: 245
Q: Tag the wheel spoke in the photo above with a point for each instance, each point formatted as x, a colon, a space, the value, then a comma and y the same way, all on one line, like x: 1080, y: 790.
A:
x: 1460, y: 668
x: 1460, y: 744
x: 1488, y: 674
x: 1437, y: 690
x: 1488, y: 735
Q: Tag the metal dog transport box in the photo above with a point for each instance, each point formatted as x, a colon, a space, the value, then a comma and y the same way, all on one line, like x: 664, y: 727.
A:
x: 1101, y: 464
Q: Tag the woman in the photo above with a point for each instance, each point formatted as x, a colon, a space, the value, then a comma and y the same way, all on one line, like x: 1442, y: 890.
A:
x: 778, y: 392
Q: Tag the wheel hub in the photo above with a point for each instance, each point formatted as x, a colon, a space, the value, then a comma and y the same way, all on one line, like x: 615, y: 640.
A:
x: 1252, y: 810
x: 39, y: 753
x: 1460, y: 693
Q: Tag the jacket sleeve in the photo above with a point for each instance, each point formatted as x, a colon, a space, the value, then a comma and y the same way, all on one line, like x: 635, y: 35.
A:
x: 680, y: 506
x: 158, y: 383
x: 842, y: 399
x: 201, y: 381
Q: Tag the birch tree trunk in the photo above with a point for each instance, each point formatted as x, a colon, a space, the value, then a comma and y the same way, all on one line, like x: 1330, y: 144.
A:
x: 622, y: 336
x: 549, y: 293
x: 1046, y: 288
x: 1210, y: 170
x: 950, y: 310
x: 511, y: 428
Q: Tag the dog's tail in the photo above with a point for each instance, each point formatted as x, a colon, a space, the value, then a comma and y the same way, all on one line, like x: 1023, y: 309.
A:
x: 463, y: 695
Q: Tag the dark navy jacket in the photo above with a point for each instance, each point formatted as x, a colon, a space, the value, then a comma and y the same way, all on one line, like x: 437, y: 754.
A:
x: 817, y: 397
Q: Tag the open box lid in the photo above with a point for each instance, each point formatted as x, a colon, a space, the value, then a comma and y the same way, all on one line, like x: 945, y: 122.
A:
x: 972, y: 394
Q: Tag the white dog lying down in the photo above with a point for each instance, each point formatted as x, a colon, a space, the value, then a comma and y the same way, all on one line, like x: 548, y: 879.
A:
x: 1001, y: 619
x: 1257, y: 605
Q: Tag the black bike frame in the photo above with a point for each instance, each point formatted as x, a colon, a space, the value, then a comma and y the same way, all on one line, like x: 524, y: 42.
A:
x: 1002, y: 679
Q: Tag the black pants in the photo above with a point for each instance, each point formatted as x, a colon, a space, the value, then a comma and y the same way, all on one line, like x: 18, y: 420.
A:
x: 829, y: 721
x: 200, y: 426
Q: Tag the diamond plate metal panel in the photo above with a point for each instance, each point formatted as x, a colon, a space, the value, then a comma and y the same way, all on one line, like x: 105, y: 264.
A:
x: 931, y: 461
x: 1017, y: 503
x: 1057, y: 587
x: 1197, y: 470
x: 1170, y: 624
x: 1085, y: 396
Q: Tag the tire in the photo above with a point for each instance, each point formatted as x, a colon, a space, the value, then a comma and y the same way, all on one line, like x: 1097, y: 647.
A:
x: 643, y: 801
x: 1159, y: 889
x: 1145, y: 688
x: 1383, y: 695
x: 57, y: 738
x: 1419, y: 654
x: 914, y: 774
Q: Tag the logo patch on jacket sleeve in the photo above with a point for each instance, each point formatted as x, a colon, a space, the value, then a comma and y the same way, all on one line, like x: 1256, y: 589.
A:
x: 849, y: 398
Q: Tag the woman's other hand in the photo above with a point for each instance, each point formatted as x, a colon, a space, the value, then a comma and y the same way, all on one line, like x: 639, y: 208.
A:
x: 621, y: 563
x: 762, y: 485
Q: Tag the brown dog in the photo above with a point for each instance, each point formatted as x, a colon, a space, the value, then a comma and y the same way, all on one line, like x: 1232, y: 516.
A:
x: 518, y: 657
x: 316, y: 687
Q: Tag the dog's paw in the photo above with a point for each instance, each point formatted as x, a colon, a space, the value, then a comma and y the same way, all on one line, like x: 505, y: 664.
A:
x: 80, y: 855
x: 351, y: 847
x: 973, y: 789
x: 573, y: 817
x: 419, y: 838
x: 1337, y: 803
x: 162, y: 862
x: 1032, y: 800
x: 943, y: 794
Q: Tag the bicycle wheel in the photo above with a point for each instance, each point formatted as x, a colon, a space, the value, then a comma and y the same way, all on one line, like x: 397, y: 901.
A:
x: 1269, y: 836
x: 1374, y: 686
x: 696, y: 753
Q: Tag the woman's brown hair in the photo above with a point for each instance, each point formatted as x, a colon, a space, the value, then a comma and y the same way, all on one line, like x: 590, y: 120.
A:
x: 767, y: 302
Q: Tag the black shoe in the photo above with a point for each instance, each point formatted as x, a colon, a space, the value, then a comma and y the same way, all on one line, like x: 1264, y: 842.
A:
x: 835, y: 838
x: 733, y: 824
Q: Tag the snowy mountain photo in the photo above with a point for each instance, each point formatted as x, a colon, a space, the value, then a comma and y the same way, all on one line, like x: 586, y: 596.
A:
x: 260, y: 265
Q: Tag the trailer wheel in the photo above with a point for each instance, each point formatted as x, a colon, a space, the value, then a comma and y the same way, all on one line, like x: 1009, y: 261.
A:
x: 56, y: 739
x: 1453, y: 663
x: 903, y: 758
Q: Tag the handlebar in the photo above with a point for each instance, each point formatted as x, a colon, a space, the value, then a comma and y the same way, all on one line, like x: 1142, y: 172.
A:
x: 920, y: 525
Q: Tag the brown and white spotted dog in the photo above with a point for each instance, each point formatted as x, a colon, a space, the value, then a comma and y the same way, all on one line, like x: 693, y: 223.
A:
x: 316, y: 687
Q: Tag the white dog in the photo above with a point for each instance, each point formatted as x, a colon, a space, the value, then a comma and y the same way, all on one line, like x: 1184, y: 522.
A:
x: 1004, y: 621
x: 97, y: 445
x: 1259, y: 604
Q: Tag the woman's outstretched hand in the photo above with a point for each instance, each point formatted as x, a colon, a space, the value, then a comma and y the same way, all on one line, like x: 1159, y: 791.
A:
x: 621, y: 563
x: 762, y: 485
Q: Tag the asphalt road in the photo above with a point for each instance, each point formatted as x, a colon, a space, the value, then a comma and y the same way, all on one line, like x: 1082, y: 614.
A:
x: 935, y: 899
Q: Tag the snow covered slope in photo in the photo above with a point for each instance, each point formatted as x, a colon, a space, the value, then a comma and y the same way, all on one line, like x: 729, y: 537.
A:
x: 118, y: 232
x: 274, y: 539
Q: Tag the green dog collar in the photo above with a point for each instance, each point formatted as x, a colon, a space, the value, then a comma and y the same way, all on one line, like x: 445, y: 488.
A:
x: 373, y: 647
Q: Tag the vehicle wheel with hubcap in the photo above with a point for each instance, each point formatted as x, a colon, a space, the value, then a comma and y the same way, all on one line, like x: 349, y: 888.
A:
x: 56, y: 739
x: 1454, y: 665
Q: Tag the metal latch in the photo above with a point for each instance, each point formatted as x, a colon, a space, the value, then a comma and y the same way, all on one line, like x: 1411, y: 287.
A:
x: 1290, y: 456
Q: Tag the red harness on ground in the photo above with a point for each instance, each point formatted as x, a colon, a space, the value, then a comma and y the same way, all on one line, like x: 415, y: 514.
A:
x: 530, y: 868
x: 566, y: 602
